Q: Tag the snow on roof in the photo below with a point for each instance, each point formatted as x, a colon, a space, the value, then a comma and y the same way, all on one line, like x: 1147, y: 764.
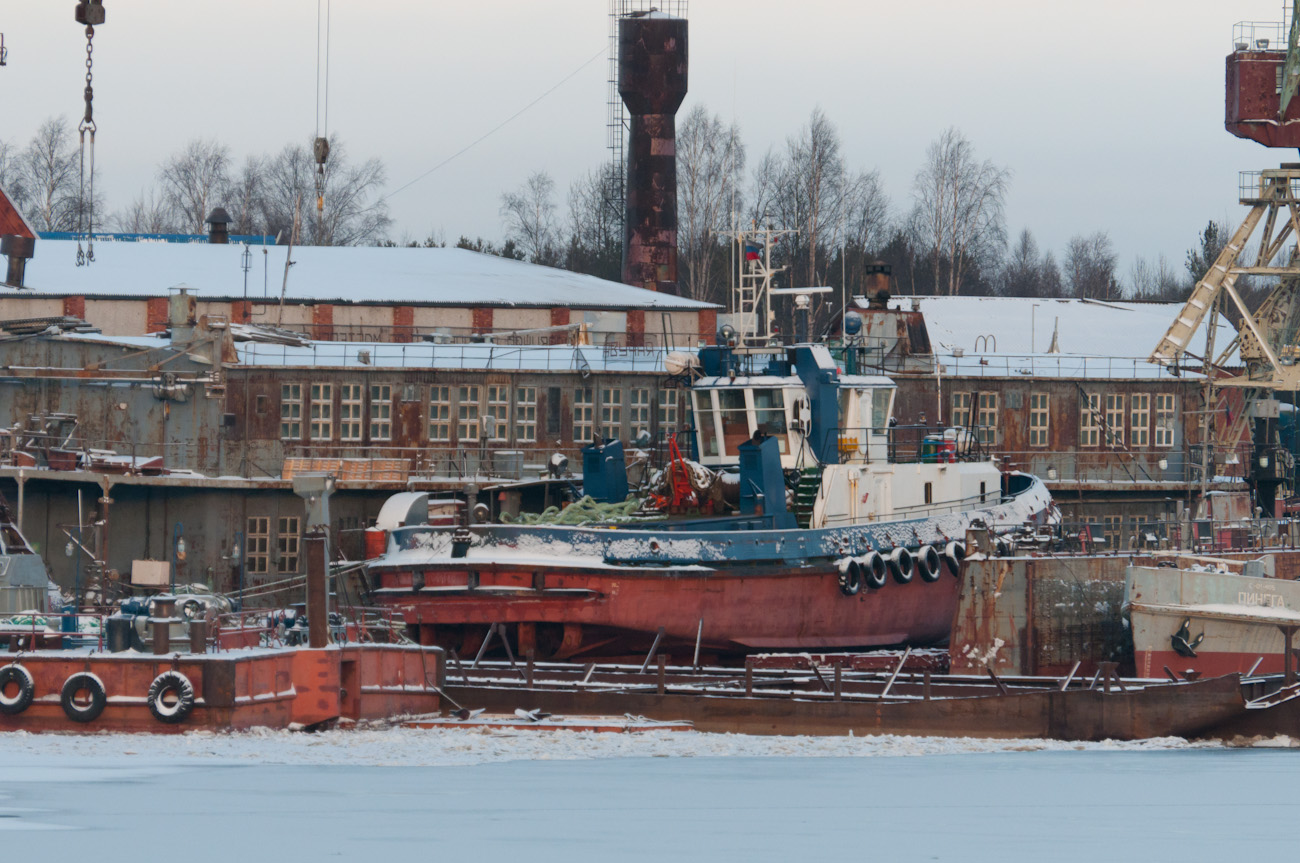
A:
x: 339, y: 274
x: 1023, y: 326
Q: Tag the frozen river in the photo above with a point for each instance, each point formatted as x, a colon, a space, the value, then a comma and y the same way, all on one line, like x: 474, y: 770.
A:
x: 438, y: 795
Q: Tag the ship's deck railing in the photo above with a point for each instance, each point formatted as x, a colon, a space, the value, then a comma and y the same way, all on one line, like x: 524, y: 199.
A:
x: 1172, y: 465
x: 908, y: 444
x: 32, y: 630
x: 1136, y: 534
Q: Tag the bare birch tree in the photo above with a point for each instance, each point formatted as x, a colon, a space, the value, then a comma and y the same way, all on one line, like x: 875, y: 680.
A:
x: 959, y: 206
x: 710, y: 165
x: 244, y: 197
x: 147, y: 213
x: 1090, y: 267
x: 865, y: 221
x: 353, y: 212
x: 595, y: 243
x: 811, y: 191
x: 10, y: 174
x: 529, y: 216
x: 48, y: 173
x: 191, y: 179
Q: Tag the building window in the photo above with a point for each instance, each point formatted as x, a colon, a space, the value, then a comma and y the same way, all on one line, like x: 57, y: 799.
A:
x: 497, y: 415
x: 1089, y: 420
x: 257, y: 544
x: 1039, y: 419
x: 987, y: 421
x: 611, y: 413
x: 1165, y: 419
x: 961, y: 410
x: 639, y: 411
x: 1139, y: 420
x: 286, y: 544
x: 291, y: 411
x: 350, y: 412
x: 381, y: 412
x: 439, y: 413
x: 526, y: 414
x: 1113, y: 528
x: 667, y: 414
x: 1115, y: 419
x: 467, y: 410
x: 584, y: 406
x: 322, y: 411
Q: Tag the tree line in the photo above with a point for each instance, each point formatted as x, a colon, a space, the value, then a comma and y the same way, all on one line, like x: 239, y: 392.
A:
x: 949, y: 236
x: 269, y: 194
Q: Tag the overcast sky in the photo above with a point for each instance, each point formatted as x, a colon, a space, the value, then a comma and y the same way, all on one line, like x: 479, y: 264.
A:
x: 1109, y: 113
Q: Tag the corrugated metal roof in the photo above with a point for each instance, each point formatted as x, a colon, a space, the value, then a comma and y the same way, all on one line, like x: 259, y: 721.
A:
x: 338, y: 274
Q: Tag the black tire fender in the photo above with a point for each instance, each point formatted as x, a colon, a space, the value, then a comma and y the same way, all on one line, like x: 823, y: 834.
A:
x: 15, y: 673
x: 83, y: 681
x: 181, y: 690
x: 875, y: 574
x: 928, y: 565
x: 901, y: 564
x: 953, y: 555
x: 851, y: 578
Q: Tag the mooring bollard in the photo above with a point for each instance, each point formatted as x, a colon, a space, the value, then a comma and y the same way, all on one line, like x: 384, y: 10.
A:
x: 164, y: 607
x: 198, y: 636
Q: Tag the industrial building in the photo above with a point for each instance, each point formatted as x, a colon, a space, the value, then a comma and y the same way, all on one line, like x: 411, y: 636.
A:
x: 1061, y: 388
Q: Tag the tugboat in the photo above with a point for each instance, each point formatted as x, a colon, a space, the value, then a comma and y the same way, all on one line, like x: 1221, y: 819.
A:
x: 846, y: 535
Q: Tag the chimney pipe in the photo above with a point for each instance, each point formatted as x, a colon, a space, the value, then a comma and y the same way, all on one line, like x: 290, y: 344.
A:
x: 219, y: 221
x: 652, y: 81
x: 19, y: 251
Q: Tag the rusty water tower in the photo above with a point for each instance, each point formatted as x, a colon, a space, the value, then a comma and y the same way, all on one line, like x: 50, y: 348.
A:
x: 652, y: 82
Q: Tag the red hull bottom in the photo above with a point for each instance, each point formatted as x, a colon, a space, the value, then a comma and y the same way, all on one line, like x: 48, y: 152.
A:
x: 1151, y: 663
x: 564, y: 614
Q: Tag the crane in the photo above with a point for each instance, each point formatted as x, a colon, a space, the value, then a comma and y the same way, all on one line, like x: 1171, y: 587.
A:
x: 1262, y: 81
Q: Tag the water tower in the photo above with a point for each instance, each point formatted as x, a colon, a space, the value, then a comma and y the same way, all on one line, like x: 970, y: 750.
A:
x: 652, y: 83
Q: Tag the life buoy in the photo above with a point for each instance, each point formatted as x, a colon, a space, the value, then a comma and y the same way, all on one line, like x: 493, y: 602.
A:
x: 927, y: 564
x: 83, y: 681
x: 953, y: 554
x: 901, y: 564
x: 171, y: 697
x: 874, y: 571
x: 11, y: 675
x: 851, y: 578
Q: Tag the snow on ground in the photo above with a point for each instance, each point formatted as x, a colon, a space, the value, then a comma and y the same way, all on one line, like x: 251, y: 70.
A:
x: 439, y: 747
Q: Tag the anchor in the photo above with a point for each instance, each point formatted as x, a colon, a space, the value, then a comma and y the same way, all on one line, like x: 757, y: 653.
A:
x: 1183, y: 643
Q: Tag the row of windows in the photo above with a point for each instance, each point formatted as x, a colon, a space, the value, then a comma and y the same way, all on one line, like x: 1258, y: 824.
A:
x: 257, y: 557
x: 1096, y: 423
x: 475, y: 412
x: 353, y: 415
